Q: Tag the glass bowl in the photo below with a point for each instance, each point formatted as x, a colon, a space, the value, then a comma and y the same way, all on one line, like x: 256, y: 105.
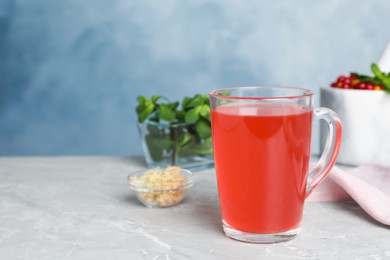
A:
x: 161, y: 187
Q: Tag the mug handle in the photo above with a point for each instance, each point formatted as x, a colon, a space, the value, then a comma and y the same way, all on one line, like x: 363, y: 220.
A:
x: 331, y: 149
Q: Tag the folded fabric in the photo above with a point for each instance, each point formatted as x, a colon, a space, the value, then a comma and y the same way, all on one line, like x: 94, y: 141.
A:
x: 368, y: 185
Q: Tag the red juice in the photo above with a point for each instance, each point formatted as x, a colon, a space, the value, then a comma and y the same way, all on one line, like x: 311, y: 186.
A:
x: 261, y: 154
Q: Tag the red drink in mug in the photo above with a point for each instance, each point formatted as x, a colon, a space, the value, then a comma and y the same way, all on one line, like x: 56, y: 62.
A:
x: 261, y: 139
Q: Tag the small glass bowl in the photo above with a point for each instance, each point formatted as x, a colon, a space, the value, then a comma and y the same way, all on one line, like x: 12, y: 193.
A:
x: 160, y: 194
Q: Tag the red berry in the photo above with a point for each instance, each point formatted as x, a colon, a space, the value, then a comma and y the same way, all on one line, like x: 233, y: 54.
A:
x: 346, y: 86
x: 347, y: 81
x: 354, y: 83
x: 361, y: 85
x: 333, y: 85
x: 377, y: 87
x: 341, y: 79
x: 369, y: 87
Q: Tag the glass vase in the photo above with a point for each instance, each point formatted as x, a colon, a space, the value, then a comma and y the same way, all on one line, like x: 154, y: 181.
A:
x: 167, y: 144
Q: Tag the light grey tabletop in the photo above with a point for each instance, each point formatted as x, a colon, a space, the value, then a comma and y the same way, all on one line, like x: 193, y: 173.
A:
x: 82, y: 208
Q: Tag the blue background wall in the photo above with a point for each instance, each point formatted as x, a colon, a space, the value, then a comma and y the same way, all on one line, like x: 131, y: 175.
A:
x: 70, y: 71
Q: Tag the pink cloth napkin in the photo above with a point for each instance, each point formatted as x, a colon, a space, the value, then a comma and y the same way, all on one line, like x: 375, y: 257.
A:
x: 368, y: 185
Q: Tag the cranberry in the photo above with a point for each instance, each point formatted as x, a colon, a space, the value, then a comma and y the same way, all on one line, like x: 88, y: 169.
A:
x: 379, y: 87
x: 361, y: 85
x: 355, y: 82
x: 341, y: 79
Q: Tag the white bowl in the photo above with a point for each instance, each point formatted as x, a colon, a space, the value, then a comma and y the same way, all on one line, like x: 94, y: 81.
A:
x: 365, y: 116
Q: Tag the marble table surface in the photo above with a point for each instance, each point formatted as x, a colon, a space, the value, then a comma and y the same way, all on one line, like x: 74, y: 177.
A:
x: 82, y: 208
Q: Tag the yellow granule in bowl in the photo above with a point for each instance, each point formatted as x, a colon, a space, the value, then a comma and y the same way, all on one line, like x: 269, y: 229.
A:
x: 161, y: 187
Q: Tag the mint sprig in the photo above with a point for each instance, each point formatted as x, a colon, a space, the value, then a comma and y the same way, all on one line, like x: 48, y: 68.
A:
x: 189, y: 126
x: 381, y: 76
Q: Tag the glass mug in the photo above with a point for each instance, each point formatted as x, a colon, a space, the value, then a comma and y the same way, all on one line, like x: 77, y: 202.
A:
x: 261, y: 139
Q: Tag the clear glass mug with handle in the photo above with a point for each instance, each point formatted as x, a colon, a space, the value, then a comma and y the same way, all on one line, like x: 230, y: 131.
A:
x: 261, y: 139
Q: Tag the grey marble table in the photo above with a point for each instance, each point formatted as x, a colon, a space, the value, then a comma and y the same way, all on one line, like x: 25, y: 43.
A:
x: 81, y: 208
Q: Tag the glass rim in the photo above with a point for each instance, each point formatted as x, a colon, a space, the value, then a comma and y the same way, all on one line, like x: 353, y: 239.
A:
x: 166, y: 124
x: 304, y: 93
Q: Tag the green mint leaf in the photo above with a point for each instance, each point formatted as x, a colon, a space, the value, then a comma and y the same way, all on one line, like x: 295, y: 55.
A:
x: 204, y: 111
x: 157, y: 147
x: 186, y: 137
x: 185, y: 102
x: 166, y: 113
x: 180, y: 116
x: 377, y: 72
x: 144, y: 108
x: 141, y: 99
x: 374, y: 81
x: 203, y: 128
x: 195, y: 101
x: 381, y: 76
x: 203, y: 148
x: 155, y: 99
x: 192, y: 115
x: 357, y: 75
x: 173, y: 106
x: 142, y: 104
x: 140, y: 108
x: 387, y: 86
x: 206, y: 99
x: 146, y: 112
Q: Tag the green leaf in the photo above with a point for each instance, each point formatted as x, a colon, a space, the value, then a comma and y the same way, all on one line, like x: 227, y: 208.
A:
x: 145, y: 112
x: 144, y: 108
x: 142, y: 104
x: 204, y: 111
x: 141, y: 99
x: 140, y: 108
x: 206, y: 99
x: 192, y: 115
x: 203, y: 148
x: 155, y: 98
x: 180, y: 116
x: 203, y: 128
x: 166, y: 113
x: 186, y: 137
x: 195, y: 101
x: 173, y: 106
x: 185, y: 102
x: 368, y: 79
x: 378, y: 73
x: 157, y: 147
